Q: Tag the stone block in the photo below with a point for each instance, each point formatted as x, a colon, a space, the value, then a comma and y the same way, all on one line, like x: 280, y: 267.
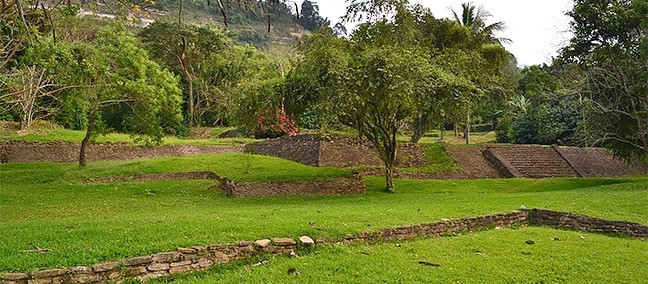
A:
x: 247, y: 249
x: 180, y: 269
x: 222, y: 257
x: 167, y: 257
x: 158, y: 267
x: 200, y: 249
x: 106, y: 266
x: 85, y: 278
x: 48, y: 273
x: 181, y: 263
x: 283, y: 242
x: 132, y: 271
x: 40, y: 281
x: 186, y: 250
x: 15, y: 276
x: 243, y: 243
x: 80, y: 270
x: 306, y: 241
x: 263, y: 243
x: 139, y: 260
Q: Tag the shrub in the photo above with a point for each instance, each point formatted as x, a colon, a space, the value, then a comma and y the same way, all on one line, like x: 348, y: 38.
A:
x: 273, y: 123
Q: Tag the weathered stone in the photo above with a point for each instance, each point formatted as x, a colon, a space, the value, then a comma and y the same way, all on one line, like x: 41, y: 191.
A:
x: 263, y: 243
x: 150, y: 276
x: 247, y: 249
x: 180, y: 269
x: 139, y: 260
x: 167, y: 257
x: 80, y: 270
x: 221, y: 256
x: 158, y: 266
x: 306, y: 241
x: 186, y: 250
x: 85, y: 278
x: 243, y: 243
x: 284, y: 242
x: 106, y: 266
x: 181, y: 263
x: 202, y: 263
x: 15, y: 276
x: 200, y: 249
x: 40, y: 281
x: 48, y: 273
x: 131, y: 271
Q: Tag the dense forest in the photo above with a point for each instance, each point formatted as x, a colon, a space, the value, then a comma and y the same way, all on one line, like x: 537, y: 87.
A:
x: 272, y: 69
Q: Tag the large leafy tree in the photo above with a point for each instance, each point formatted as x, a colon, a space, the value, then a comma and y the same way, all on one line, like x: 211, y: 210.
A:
x: 186, y: 48
x: 381, y: 97
x: 112, y: 72
x: 310, y: 18
x: 610, y: 46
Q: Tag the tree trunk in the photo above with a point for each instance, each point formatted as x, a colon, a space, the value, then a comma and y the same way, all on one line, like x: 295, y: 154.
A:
x: 467, y: 130
x: 91, y: 124
x: 191, y: 102
x: 420, y: 127
x: 456, y: 128
x: 389, y: 178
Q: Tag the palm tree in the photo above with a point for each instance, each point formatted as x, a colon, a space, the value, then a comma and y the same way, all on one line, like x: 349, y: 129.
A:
x: 475, y: 18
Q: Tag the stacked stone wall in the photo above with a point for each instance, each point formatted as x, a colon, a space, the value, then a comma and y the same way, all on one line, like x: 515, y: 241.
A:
x: 337, y: 151
x: 570, y: 221
x: 345, y: 185
x: 68, y: 152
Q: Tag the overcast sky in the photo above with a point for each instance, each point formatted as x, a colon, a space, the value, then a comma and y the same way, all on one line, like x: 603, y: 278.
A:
x: 537, y: 28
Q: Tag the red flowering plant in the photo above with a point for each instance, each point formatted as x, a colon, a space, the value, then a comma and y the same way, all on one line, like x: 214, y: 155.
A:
x: 273, y: 123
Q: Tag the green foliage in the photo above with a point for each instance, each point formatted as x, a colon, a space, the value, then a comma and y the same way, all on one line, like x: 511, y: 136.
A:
x: 309, y: 16
x: 610, y: 46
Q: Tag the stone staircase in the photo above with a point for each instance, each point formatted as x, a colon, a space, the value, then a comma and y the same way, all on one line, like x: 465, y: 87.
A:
x: 531, y: 161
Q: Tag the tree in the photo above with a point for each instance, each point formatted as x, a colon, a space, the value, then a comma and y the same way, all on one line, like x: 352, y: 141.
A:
x: 310, y: 18
x: 114, y: 72
x: 493, y: 55
x: 610, y: 46
x: 186, y: 48
x: 381, y: 97
x: 475, y: 18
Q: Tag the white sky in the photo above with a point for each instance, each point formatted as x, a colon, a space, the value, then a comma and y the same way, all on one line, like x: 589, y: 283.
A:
x: 538, y: 28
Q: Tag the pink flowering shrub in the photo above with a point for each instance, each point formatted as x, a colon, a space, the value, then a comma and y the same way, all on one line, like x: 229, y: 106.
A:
x: 272, y: 123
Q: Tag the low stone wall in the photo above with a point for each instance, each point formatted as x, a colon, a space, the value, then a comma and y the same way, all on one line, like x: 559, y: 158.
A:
x: 570, y: 221
x: 336, y: 151
x: 341, y: 151
x: 161, y: 264
x: 161, y: 176
x: 26, y: 151
x: 345, y: 185
x: 299, y: 148
x: 199, y: 258
x: 598, y: 162
x: 442, y: 228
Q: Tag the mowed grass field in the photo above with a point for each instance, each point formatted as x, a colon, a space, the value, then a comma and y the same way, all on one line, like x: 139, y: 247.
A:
x: 54, y: 206
x: 477, y: 257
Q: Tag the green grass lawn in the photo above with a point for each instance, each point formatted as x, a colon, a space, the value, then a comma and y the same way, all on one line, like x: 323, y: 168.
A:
x: 60, y: 134
x: 50, y: 206
x: 478, y: 257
